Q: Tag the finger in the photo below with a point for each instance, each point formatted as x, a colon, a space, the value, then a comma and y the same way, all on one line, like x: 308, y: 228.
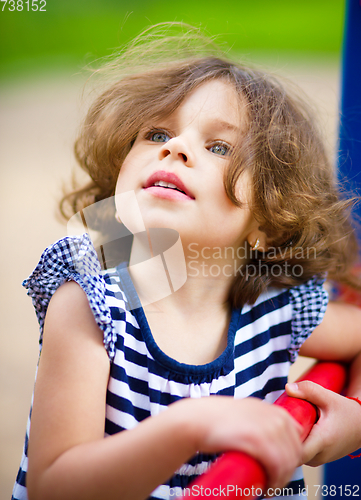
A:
x: 310, y: 391
x: 311, y: 448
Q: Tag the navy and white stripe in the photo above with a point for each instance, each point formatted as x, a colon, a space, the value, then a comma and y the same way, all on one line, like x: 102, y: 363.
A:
x: 263, y: 341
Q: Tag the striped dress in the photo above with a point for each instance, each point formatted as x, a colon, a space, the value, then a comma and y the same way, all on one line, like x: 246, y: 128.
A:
x: 263, y: 341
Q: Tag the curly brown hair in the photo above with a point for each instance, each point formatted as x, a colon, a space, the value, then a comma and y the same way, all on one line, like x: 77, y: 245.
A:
x: 296, y: 198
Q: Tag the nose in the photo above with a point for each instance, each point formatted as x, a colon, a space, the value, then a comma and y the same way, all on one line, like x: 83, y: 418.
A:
x: 177, y: 149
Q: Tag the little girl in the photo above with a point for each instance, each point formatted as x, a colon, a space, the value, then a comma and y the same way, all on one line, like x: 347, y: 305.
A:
x: 223, y: 156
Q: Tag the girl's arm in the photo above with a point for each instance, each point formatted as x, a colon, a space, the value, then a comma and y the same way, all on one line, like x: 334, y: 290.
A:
x: 68, y: 454
x: 338, y: 430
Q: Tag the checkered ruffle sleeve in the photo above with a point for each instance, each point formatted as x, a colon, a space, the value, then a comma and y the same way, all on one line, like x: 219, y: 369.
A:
x: 71, y: 259
x: 309, y: 302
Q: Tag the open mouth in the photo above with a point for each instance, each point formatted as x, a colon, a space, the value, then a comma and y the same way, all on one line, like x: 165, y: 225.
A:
x: 168, y: 185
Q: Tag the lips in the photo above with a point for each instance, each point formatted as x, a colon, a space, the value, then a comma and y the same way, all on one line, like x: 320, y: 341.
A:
x: 168, y: 185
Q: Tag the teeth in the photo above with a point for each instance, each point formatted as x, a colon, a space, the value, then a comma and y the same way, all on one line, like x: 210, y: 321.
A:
x: 165, y: 184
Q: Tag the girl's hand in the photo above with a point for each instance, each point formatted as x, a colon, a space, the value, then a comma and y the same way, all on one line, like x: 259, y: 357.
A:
x: 266, y: 432
x: 338, y: 430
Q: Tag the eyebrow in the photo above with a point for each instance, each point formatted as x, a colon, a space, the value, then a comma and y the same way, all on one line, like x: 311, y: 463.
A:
x: 221, y: 124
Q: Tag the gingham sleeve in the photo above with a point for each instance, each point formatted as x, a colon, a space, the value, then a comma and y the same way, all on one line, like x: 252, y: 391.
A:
x: 309, y: 302
x: 71, y: 259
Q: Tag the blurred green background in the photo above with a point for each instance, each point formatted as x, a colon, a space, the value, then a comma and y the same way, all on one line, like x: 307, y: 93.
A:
x: 70, y: 33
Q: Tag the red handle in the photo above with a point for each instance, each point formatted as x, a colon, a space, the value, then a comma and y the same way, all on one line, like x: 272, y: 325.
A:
x: 237, y: 475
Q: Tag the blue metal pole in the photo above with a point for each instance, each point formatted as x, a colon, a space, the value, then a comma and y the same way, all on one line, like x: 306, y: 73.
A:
x: 349, y: 161
x: 342, y: 478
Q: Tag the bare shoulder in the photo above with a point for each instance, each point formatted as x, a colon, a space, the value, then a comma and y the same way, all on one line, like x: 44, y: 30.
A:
x: 70, y: 390
x: 338, y: 336
x: 70, y: 325
x: 70, y: 300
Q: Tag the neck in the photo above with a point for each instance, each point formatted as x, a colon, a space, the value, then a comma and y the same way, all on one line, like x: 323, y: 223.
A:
x: 192, y: 277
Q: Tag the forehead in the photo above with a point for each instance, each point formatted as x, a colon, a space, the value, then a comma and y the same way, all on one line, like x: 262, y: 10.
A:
x: 215, y: 100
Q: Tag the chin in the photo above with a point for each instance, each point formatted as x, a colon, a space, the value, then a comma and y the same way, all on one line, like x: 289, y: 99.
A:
x: 162, y: 218
x: 163, y: 224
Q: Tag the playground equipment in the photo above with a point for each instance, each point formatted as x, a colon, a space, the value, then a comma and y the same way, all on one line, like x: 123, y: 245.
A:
x: 347, y: 471
x: 237, y: 472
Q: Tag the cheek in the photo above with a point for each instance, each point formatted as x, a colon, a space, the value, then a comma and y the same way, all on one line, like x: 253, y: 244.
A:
x: 226, y: 212
x: 218, y: 196
x: 127, y: 174
x: 244, y: 189
x: 126, y: 203
x: 134, y: 163
x: 120, y: 181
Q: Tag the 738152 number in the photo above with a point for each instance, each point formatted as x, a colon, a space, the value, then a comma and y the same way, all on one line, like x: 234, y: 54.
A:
x: 27, y: 5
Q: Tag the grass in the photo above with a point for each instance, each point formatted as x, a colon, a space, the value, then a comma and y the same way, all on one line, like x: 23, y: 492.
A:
x: 77, y: 31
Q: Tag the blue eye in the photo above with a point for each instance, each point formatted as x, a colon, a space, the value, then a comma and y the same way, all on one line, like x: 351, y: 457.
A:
x: 221, y: 149
x: 158, y: 136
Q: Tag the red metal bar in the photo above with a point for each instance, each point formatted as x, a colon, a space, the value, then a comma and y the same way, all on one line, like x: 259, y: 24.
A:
x: 235, y: 472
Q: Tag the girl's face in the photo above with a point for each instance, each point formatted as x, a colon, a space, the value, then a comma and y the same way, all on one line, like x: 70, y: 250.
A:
x: 176, y: 167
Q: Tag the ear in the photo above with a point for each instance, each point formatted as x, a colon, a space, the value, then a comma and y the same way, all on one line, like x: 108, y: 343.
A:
x: 257, y: 240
